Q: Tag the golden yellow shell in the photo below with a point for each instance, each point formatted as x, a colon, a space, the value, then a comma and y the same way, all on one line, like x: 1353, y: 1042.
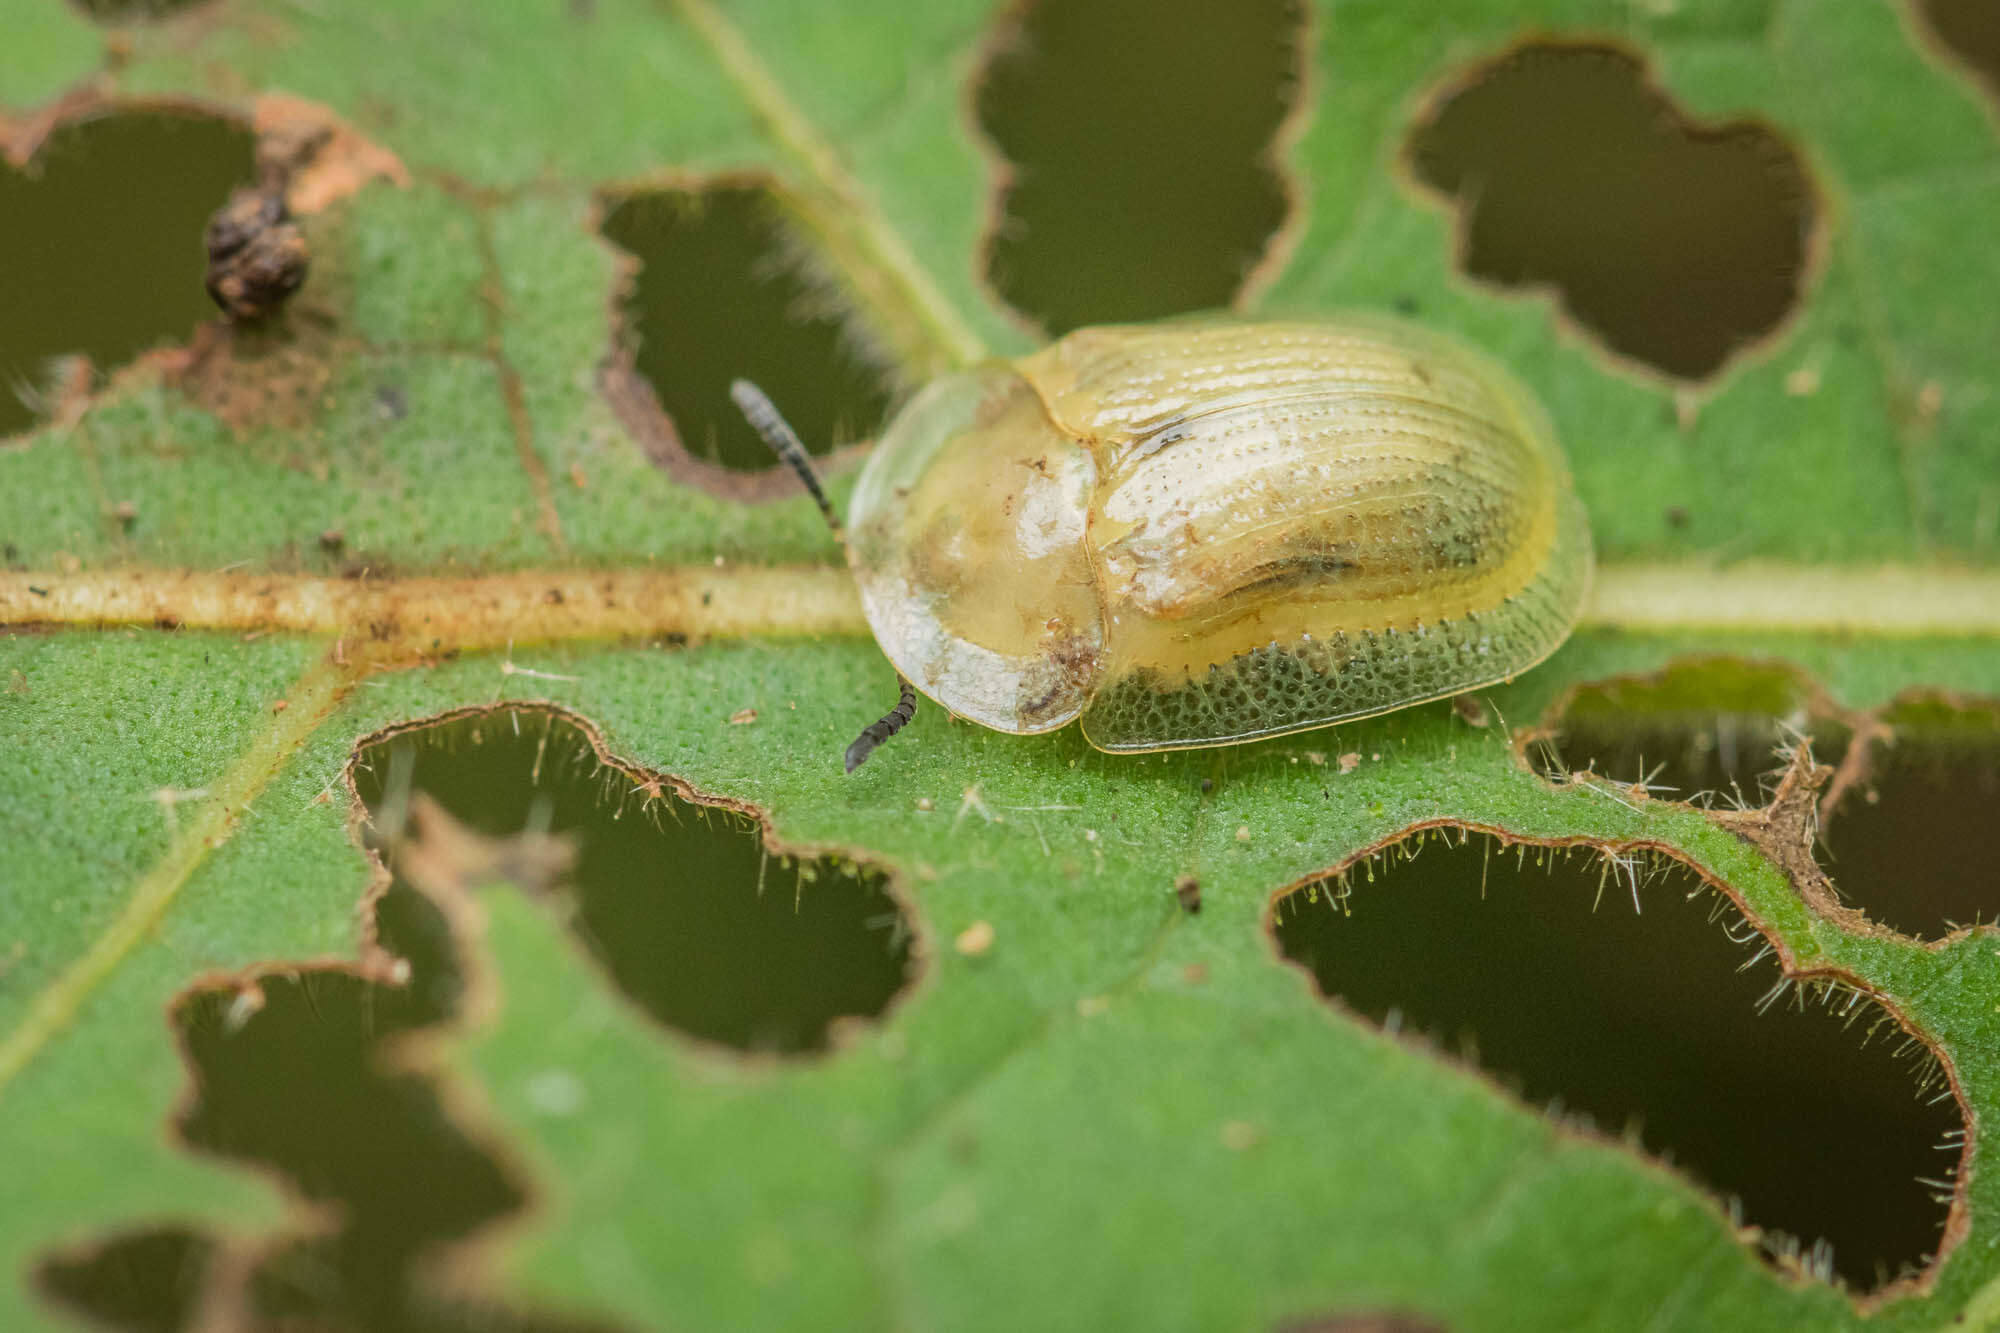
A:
x: 1206, y: 531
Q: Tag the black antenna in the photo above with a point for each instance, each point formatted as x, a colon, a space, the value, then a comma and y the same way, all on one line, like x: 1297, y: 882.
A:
x: 889, y: 724
x: 784, y: 442
x: 765, y: 419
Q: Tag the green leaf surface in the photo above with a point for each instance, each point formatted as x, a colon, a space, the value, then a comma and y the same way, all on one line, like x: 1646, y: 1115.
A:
x: 1115, y: 1113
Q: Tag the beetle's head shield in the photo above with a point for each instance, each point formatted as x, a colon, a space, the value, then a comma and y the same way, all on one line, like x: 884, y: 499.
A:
x: 967, y: 533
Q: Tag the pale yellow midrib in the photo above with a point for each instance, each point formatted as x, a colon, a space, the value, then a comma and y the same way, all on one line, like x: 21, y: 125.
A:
x: 312, y: 698
x: 389, y: 620
x: 1882, y: 601
x: 395, y: 619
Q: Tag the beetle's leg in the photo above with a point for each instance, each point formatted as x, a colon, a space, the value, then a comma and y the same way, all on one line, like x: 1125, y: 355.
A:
x: 784, y: 442
x: 891, y: 723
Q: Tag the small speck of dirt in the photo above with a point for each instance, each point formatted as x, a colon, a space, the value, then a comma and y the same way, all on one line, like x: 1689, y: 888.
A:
x: 1144, y: 183
x: 1240, y: 1135
x: 1675, y: 241
x: 1362, y: 1321
x: 975, y: 939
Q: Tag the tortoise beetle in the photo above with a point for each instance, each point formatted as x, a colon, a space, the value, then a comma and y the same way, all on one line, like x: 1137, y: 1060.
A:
x: 1206, y: 531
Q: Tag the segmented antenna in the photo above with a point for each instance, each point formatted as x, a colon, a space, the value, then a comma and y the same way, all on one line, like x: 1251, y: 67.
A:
x: 763, y: 417
x: 784, y: 442
x: 892, y: 722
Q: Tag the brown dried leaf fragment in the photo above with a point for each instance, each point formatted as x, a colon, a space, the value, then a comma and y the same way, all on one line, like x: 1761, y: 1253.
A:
x: 315, y: 157
x: 1785, y: 831
x: 443, y: 856
x: 259, y: 374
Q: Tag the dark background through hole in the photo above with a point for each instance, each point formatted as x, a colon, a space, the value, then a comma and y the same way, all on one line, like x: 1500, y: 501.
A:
x: 1909, y: 846
x: 722, y: 293
x: 101, y: 242
x: 1675, y: 245
x: 1970, y: 30
x: 1140, y: 137
x: 1648, y: 1017
x: 1703, y: 730
x: 677, y: 901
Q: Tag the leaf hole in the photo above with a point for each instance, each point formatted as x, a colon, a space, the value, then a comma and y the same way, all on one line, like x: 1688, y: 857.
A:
x: 101, y: 250
x: 1897, y: 828
x: 300, y: 1070
x: 1969, y: 30
x: 1706, y: 730
x: 1803, y: 1100
x: 1678, y: 243
x: 682, y: 902
x: 289, y: 1074
x: 306, y: 1070
x: 1139, y: 146
x: 723, y: 283
x: 147, y: 1280
x: 1906, y: 837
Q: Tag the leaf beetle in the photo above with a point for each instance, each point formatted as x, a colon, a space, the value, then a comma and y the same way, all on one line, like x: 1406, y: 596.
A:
x: 1206, y: 531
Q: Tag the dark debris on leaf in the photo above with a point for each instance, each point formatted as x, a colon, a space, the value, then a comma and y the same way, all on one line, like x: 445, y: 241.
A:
x: 257, y: 257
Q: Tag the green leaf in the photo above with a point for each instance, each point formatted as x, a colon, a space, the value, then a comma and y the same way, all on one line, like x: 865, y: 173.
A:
x: 411, y: 497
